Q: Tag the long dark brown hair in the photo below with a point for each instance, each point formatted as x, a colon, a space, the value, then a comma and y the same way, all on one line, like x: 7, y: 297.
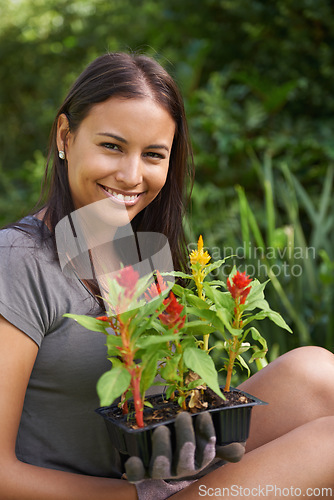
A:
x: 128, y: 76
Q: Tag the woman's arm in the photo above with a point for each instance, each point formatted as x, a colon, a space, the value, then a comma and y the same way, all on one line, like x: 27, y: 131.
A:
x: 21, y: 481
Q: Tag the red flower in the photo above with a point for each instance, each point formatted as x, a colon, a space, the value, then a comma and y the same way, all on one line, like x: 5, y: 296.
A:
x: 156, y: 288
x: 171, y: 316
x: 127, y: 278
x: 240, y: 287
x: 103, y: 318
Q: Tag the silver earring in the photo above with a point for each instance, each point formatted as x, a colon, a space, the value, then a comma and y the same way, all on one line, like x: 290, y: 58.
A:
x: 61, y: 155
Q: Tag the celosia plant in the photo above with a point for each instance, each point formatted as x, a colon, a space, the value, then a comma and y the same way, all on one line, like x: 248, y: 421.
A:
x: 239, y: 288
x: 185, y: 366
x: 150, y: 331
x: 147, y: 332
x: 199, y: 260
x: 227, y: 307
x: 133, y: 351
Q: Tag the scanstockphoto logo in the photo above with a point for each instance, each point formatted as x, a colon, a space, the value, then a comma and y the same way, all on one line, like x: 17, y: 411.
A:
x: 264, y: 491
x: 281, y: 262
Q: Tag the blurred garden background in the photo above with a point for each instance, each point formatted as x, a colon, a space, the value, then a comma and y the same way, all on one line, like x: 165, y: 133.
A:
x: 258, y: 81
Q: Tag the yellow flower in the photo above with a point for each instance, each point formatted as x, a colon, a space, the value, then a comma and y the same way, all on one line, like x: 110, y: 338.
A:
x: 199, y: 261
x: 198, y: 256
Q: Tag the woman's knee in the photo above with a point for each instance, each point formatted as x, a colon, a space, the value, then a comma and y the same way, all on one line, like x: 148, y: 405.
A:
x: 312, y: 369
x: 311, y: 362
x: 309, y: 354
x: 322, y: 429
x: 303, y: 374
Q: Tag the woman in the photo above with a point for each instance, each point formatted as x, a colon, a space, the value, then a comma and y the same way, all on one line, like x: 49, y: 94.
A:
x: 121, y: 138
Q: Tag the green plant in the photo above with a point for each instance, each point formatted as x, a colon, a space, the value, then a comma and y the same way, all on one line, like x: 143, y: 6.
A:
x: 150, y: 333
x: 185, y: 366
x: 227, y: 307
x: 133, y: 352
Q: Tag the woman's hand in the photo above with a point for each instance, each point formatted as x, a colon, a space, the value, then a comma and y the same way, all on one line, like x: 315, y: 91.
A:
x: 195, y: 450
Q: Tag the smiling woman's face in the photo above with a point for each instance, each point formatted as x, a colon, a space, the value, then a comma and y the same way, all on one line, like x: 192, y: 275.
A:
x: 120, y: 152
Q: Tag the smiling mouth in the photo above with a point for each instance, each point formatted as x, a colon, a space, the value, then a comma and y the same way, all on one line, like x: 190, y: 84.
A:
x: 124, y: 199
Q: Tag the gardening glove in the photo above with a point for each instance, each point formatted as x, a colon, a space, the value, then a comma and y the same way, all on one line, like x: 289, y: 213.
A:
x: 195, y: 451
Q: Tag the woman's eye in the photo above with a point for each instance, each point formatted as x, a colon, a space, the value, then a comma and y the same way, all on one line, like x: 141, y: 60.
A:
x: 110, y: 145
x: 154, y: 155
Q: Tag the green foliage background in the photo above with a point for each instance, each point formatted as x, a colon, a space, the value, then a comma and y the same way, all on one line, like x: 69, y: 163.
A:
x: 257, y: 78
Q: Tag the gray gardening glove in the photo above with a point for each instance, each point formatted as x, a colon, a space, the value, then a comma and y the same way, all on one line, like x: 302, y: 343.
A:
x: 195, y: 450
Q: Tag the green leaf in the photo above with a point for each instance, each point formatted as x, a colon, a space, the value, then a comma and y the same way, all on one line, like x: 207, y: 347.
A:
x: 178, y: 274
x: 112, y: 343
x: 225, y: 317
x: 113, y: 352
x: 93, y: 324
x: 258, y: 337
x: 194, y: 300
x: 258, y: 354
x: 112, y: 384
x: 276, y: 318
x: 214, y: 265
x: 195, y: 383
x: 150, y: 306
x: 207, y: 314
x: 261, y: 363
x: 258, y: 316
x: 256, y: 295
x: 220, y: 299
x: 114, y: 291
x: 198, y: 327
x: 113, y: 340
x: 201, y: 363
x: 263, y: 304
x: 178, y: 290
x: 169, y: 372
x: 129, y: 314
x: 116, y: 362
x: 180, y: 400
x: 243, y: 364
x: 170, y: 390
x: 189, y: 342
x: 150, y: 368
x: 211, y: 317
x: 149, y: 340
x: 218, y: 284
x: 145, y: 320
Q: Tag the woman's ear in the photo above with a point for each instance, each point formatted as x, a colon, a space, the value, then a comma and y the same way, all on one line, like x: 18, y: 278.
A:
x: 63, y: 129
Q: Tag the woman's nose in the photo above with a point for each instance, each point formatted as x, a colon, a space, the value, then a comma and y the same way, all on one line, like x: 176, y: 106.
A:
x: 129, y: 171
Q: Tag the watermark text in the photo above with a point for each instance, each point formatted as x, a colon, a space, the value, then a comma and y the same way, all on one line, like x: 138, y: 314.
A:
x: 267, y: 490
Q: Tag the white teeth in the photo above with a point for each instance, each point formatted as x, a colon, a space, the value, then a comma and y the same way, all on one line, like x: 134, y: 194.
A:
x: 119, y: 196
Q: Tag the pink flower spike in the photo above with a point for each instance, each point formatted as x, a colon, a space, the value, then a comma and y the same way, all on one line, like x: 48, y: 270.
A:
x: 171, y: 316
x: 240, y: 280
x: 127, y: 278
x: 156, y: 288
x: 240, y: 287
x: 244, y: 295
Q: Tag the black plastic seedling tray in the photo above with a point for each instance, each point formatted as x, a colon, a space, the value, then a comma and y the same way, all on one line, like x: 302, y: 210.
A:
x: 231, y: 425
